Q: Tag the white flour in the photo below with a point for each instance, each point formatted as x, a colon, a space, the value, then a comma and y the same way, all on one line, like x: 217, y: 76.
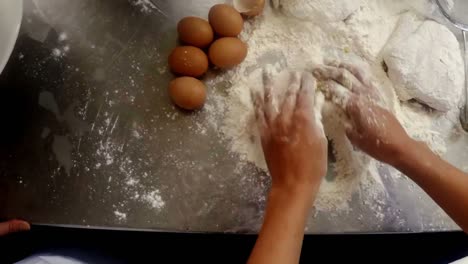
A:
x: 281, y: 42
x: 145, y: 5
x: 424, y: 63
x: 120, y: 216
x: 320, y: 10
x: 154, y: 199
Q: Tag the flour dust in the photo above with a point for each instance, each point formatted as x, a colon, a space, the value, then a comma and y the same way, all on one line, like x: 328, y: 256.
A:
x: 284, y: 40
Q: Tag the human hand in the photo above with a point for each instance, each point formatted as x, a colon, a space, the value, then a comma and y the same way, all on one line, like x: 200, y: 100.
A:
x: 13, y: 226
x: 372, y: 128
x: 295, y: 147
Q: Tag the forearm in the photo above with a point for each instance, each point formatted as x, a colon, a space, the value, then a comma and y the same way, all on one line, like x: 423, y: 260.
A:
x: 447, y: 185
x: 280, y: 239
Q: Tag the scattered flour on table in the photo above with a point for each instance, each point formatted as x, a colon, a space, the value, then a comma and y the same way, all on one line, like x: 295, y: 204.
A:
x: 120, y: 216
x: 63, y: 48
x: 278, y: 40
x: 153, y: 199
x: 125, y: 171
x: 144, y: 5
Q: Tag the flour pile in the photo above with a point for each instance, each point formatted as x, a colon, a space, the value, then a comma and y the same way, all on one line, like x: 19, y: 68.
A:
x: 292, y: 38
x: 320, y: 10
x: 424, y: 62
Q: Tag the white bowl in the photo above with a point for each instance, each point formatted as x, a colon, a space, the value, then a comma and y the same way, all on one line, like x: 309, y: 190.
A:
x: 11, y: 12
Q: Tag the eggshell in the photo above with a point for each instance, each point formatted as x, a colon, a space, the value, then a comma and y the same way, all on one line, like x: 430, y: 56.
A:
x: 225, y: 20
x: 195, y: 31
x: 187, y: 93
x: 188, y: 61
x: 227, y: 52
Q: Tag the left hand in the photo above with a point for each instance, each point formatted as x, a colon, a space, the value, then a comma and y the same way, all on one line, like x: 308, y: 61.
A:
x: 295, y: 147
x: 13, y: 226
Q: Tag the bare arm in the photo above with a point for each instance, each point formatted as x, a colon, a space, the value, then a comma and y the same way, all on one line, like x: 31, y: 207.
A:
x: 377, y: 132
x: 295, y: 149
x: 447, y: 185
x: 280, y: 239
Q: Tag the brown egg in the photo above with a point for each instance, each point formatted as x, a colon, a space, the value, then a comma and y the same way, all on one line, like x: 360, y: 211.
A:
x: 195, y: 31
x: 188, y: 61
x: 187, y: 93
x: 225, y: 20
x: 227, y: 52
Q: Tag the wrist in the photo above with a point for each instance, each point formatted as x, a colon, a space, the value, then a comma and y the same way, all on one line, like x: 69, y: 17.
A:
x: 411, y: 153
x: 295, y: 193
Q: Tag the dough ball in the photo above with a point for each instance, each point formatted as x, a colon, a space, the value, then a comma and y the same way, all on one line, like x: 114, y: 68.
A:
x: 425, y: 64
x: 195, y: 31
x: 187, y: 93
x: 227, y: 52
x: 320, y: 11
x: 188, y: 61
x: 225, y: 20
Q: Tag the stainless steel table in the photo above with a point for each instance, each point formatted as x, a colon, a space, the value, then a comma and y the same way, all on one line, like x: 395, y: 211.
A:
x: 89, y: 136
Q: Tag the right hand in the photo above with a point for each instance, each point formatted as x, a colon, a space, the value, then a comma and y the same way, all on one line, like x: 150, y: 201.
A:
x: 372, y: 128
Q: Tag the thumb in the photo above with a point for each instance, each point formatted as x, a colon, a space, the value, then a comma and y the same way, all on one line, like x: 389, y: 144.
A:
x: 13, y: 226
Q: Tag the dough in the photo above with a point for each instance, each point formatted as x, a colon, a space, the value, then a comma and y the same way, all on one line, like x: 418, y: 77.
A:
x: 320, y: 10
x: 424, y: 63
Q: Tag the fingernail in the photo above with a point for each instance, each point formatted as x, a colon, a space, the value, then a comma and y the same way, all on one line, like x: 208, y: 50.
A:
x: 24, y: 226
x: 19, y: 225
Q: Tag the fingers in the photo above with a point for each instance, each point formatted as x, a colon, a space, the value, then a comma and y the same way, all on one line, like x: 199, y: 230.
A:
x: 299, y: 98
x: 258, y: 110
x: 353, y: 69
x: 366, y: 87
x: 347, y: 75
x: 268, y: 107
x: 13, y: 226
x: 306, y: 95
x: 290, y: 99
x: 341, y: 76
x: 308, y: 85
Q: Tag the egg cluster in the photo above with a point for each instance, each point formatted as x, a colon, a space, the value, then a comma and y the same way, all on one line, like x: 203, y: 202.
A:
x: 214, y: 41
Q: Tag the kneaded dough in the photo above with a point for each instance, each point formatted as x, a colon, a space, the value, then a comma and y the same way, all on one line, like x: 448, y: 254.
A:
x: 320, y: 10
x: 424, y: 63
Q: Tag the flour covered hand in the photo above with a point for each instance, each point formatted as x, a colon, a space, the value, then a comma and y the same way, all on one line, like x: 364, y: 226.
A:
x: 377, y: 132
x: 294, y: 146
x: 372, y: 128
x: 295, y: 150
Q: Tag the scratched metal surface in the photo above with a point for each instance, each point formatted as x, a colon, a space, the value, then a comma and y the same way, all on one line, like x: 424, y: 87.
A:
x: 88, y: 134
